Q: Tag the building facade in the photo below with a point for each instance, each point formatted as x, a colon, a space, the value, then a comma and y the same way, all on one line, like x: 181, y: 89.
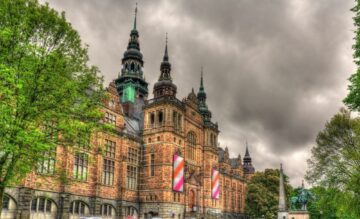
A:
x: 162, y: 159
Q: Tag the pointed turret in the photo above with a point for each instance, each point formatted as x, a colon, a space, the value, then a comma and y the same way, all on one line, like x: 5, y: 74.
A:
x: 201, y: 96
x: 248, y: 167
x: 282, y: 208
x: 164, y: 86
x: 131, y: 84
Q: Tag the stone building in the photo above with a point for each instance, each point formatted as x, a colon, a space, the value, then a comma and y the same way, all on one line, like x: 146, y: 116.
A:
x: 128, y: 173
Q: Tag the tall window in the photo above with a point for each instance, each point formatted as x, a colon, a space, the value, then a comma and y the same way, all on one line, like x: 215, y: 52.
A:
x: 80, y: 170
x: 191, y: 139
x: 131, y: 177
x: 46, y: 164
x: 152, y: 119
x: 109, y: 163
x: 179, y: 121
x: 110, y: 118
x: 239, y: 201
x: 176, y: 118
x: 6, y: 202
x: 108, y: 172
x: 161, y: 117
x: 132, y: 168
x: 152, y: 165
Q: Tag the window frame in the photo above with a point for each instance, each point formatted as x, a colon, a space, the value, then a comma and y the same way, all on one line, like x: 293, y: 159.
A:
x: 81, y: 166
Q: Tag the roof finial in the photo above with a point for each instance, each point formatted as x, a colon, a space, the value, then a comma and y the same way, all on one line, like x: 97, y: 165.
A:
x: 201, y: 79
x: 166, y: 56
x: 135, y: 16
x: 247, y: 154
x: 166, y: 38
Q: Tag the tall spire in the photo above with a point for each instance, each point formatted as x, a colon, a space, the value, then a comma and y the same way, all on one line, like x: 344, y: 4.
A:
x: 201, y: 96
x: 166, y: 56
x: 282, y: 208
x: 201, y: 80
x: 134, y: 28
x: 247, y: 154
x: 164, y: 86
x: 165, y: 66
x: 248, y: 167
x: 131, y: 84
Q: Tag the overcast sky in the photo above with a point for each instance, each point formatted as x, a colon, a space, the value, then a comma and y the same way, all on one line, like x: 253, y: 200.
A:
x: 274, y: 70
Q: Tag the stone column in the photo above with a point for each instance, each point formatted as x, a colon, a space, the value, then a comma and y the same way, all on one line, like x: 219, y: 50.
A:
x: 64, y: 206
x: 95, y: 205
x: 24, y: 203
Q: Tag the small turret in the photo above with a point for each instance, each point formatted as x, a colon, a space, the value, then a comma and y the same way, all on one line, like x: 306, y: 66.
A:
x: 201, y: 96
x: 131, y: 84
x: 247, y: 162
x: 164, y: 86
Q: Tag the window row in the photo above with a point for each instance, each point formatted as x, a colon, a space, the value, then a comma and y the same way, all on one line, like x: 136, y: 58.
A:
x: 81, y: 166
x: 42, y: 204
x: 46, y: 206
x: 158, y: 118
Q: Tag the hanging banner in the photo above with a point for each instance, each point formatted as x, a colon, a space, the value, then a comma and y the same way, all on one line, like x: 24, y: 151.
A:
x: 215, y: 184
x: 178, y: 173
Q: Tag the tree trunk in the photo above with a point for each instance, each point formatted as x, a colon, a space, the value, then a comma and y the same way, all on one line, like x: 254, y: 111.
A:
x: 2, y: 192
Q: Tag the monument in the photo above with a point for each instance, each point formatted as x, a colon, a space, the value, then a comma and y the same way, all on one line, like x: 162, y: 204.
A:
x: 298, y: 208
x: 298, y: 203
x: 282, y: 209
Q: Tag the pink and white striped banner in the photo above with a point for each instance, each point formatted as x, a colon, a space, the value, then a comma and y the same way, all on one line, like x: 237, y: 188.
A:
x: 178, y: 173
x: 215, y: 184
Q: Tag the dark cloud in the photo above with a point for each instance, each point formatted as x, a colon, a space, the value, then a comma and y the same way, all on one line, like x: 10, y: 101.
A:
x: 275, y: 71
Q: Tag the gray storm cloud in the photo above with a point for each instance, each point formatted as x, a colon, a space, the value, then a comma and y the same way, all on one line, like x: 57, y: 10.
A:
x: 274, y: 71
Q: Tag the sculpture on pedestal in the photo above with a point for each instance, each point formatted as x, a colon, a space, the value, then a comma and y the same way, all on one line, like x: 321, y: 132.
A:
x: 301, y: 199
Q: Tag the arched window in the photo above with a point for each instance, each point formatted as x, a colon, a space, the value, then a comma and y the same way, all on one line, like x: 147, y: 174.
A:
x: 42, y: 205
x: 107, y: 210
x: 191, y: 140
x: 6, y: 202
x: 79, y: 208
x: 131, y: 211
x: 160, y: 117
x: 132, y: 66
x: 9, y: 207
x: 152, y: 119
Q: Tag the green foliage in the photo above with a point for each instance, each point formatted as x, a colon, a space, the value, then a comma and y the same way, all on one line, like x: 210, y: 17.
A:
x: 353, y: 98
x: 263, y: 194
x: 329, y: 204
x: 335, y: 163
x: 49, y: 95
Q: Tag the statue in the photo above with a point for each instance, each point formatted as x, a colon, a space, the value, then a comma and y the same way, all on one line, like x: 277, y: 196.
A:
x: 303, y: 197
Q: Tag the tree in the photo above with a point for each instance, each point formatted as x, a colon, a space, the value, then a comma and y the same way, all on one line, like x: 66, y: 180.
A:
x: 335, y: 161
x: 329, y: 204
x: 49, y: 95
x: 353, y: 98
x: 263, y: 194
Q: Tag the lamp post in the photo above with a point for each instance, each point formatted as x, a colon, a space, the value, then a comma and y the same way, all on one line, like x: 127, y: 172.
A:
x: 321, y: 212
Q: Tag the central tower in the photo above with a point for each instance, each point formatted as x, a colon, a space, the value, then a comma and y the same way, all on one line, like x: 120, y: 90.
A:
x: 131, y: 84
